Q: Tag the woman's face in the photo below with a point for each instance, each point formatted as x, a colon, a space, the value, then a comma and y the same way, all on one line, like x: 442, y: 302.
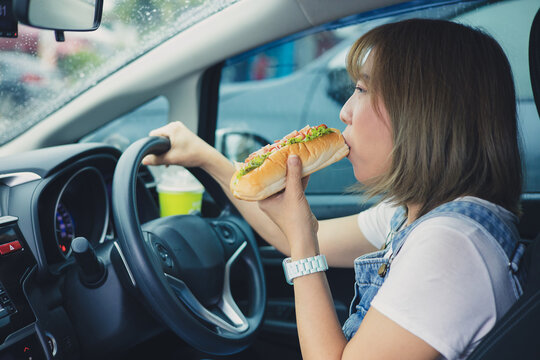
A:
x: 369, y: 132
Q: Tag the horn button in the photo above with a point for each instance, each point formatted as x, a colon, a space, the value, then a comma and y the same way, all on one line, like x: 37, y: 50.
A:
x: 188, y: 249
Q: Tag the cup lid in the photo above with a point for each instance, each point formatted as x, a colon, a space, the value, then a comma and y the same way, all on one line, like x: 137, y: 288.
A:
x: 178, y: 179
x: 170, y: 188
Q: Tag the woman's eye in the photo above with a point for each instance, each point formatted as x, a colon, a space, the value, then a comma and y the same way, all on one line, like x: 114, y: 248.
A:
x: 360, y: 89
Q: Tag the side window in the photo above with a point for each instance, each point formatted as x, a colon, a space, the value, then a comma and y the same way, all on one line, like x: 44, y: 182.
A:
x: 135, y: 125
x: 266, y: 95
x: 268, y: 92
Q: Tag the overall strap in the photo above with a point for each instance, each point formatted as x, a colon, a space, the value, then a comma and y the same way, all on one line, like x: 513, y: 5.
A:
x: 507, y: 237
x: 397, y: 219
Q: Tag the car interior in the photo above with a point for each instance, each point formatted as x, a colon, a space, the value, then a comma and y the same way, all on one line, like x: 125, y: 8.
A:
x: 92, y: 263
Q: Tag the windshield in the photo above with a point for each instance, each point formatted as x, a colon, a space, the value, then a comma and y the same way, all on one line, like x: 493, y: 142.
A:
x: 38, y: 75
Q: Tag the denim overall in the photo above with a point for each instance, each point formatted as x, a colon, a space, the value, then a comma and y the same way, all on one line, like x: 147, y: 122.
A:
x: 372, y: 269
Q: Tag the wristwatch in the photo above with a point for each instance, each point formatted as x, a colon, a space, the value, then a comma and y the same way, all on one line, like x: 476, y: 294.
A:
x: 310, y: 265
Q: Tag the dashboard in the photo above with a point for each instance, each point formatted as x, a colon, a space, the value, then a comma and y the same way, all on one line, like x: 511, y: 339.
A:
x: 48, y: 198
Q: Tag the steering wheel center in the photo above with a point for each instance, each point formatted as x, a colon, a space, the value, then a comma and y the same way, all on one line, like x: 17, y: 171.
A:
x: 188, y: 249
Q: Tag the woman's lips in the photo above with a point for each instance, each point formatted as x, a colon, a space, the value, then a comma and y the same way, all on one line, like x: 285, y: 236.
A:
x: 346, y: 143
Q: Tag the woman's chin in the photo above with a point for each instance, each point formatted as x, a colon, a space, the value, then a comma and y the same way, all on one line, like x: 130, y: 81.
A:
x: 365, y: 179
x: 368, y: 175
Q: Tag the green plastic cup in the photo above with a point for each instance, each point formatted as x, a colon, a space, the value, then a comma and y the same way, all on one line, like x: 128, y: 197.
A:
x: 179, y: 200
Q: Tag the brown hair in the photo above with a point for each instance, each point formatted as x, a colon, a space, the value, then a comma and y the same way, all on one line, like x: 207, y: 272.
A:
x: 449, y: 92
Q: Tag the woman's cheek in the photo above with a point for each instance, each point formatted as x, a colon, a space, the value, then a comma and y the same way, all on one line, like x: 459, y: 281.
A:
x: 356, y: 163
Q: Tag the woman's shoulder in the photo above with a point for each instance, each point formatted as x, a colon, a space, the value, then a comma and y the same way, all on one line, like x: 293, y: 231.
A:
x: 443, y: 232
x: 469, y: 213
x: 464, y: 239
x: 502, y: 213
x: 464, y: 228
x: 457, y: 245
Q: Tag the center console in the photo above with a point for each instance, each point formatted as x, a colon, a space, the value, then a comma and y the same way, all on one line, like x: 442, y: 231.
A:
x: 18, y: 336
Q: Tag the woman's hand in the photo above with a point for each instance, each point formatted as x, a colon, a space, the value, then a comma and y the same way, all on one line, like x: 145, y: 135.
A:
x: 290, y: 211
x: 187, y: 149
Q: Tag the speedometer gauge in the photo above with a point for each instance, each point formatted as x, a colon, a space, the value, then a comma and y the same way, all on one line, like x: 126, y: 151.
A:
x: 64, y: 229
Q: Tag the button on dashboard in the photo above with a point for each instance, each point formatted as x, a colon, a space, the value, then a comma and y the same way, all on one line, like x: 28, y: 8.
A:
x: 11, y: 309
x: 10, y: 247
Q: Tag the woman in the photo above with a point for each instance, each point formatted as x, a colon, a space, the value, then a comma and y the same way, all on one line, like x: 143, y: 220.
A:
x: 432, y: 129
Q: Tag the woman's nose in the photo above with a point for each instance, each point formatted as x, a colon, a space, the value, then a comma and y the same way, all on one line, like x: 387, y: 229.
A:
x: 345, y: 113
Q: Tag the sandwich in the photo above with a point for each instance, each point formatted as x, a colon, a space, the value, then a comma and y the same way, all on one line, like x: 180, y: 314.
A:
x: 263, y: 172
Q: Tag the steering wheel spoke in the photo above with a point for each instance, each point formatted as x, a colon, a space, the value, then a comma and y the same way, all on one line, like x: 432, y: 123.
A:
x: 231, y: 319
x: 237, y: 322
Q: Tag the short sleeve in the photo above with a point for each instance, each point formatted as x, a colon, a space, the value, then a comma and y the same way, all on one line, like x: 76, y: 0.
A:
x: 440, y: 289
x: 375, y: 222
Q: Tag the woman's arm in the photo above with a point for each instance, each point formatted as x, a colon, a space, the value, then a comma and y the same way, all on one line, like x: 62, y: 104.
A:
x: 187, y: 149
x: 340, y: 239
x: 319, y: 330
x: 321, y: 337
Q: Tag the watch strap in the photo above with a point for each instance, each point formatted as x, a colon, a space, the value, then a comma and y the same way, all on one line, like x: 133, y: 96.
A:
x: 310, y: 265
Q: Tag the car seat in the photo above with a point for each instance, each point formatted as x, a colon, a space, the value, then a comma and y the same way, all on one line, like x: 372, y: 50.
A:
x: 515, y: 335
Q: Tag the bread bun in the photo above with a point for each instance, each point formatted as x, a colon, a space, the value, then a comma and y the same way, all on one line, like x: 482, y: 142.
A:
x: 269, y: 178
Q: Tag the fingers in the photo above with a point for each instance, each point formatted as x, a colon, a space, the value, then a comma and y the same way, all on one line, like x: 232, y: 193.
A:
x: 159, y: 132
x: 294, y: 174
x: 151, y: 160
x: 293, y: 182
x: 162, y: 159
x: 289, y: 209
x: 294, y: 168
x: 167, y: 131
x: 148, y: 160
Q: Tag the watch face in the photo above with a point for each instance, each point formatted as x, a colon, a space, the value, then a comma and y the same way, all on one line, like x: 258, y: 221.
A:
x: 286, y: 270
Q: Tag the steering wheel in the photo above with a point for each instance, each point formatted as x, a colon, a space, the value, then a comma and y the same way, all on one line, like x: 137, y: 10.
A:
x: 182, y: 264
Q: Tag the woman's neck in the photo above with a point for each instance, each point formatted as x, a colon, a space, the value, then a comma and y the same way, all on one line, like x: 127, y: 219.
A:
x: 412, y: 212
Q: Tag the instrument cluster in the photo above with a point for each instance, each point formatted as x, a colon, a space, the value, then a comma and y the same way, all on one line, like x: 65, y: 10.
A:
x: 75, y: 203
x: 82, y: 209
x: 74, y: 200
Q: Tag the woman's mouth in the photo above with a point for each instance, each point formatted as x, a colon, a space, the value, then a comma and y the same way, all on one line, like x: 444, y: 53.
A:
x: 346, y: 143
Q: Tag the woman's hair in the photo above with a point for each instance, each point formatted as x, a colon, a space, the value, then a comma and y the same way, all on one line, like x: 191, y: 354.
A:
x: 449, y: 92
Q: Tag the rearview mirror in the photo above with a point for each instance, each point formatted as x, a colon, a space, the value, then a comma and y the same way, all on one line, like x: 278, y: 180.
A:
x: 63, y: 15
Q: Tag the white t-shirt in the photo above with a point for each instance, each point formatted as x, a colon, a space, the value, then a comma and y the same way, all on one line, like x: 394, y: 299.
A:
x: 448, y: 285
